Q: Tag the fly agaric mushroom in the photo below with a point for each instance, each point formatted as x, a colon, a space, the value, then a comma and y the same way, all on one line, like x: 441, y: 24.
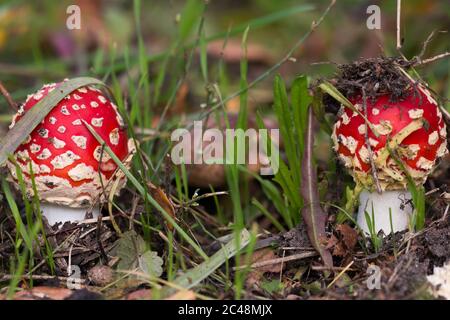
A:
x: 411, y: 137
x: 72, y: 172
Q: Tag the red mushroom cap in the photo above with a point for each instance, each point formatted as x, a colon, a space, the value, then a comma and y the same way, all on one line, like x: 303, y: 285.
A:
x: 68, y: 162
x: 414, y: 128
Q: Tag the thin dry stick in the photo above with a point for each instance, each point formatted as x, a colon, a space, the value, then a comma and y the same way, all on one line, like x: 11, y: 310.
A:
x: 399, y: 40
x: 8, y: 277
x: 432, y: 191
x: 293, y: 257
x: 418, y: 58
x: 444, y: 217
x: 69, y: 263
x: 425, y: 44
x: 8, y: 97
x: 340, y: 274
x: 432, y: 59
x: 322, y: 268
x: 394, y: 275
x: 369, y: 147
x: 282, y: 265
x: 297, y: 248
x: 205, y: 195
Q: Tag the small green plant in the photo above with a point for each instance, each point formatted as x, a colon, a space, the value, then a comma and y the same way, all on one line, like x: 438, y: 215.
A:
x: 292, y: 120
x: 28, y: 232
x: 376, y: 240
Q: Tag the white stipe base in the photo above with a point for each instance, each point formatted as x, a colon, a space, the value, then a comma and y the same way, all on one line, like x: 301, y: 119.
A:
x: 398, y: 201
x: 55, y: 213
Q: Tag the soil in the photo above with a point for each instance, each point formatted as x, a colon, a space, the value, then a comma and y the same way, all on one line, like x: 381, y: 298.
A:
x: 376, y: 76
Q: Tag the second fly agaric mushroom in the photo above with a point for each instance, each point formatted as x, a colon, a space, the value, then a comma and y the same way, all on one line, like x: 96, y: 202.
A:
x: 411, y: 137
x: 72, y: 171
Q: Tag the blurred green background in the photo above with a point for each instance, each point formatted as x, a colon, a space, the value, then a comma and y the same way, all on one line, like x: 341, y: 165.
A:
x: 36, y: 47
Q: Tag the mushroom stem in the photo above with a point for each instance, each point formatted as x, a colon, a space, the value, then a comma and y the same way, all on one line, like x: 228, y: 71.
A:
x: 56, y: 213
x: 397, y: 204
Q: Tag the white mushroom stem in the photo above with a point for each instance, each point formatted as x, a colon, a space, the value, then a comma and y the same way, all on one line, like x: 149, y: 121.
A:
x: 396, y: 204
x: 56, y: 213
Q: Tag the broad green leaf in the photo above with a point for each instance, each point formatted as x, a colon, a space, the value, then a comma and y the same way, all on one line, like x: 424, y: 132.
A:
x: 133, y: 253
x: 150, y: 263
x: 272, y: 286
x: 129, y: 248
x: 300, y: 102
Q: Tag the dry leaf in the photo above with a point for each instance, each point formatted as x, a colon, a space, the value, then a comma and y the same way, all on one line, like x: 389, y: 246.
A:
x: 255, y: 275
x: 142, y: 294
x: 345, y: 244
x: 40, y: 293
x: 163, y: 200
x: 332, y: 242
x: 183, y: 295
x: 339, y: 250
x: 349, y: 235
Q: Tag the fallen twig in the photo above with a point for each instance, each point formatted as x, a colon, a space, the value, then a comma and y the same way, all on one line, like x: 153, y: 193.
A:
x: 293, y: 257
x: 8, y: 277
x: 399, y: 10
x: 432, y: 59
x: 8, y: 97
x: 322, y: 268
x: 340, y: 274
x: 444, y: 217
x: 369, y: 147
x: 425, y: 44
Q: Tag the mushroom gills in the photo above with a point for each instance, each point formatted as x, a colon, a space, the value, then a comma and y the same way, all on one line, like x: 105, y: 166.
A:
x: 395, y: 203
x: 56, y: 213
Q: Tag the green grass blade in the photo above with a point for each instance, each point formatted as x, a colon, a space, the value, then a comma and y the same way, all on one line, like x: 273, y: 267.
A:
x: 189, y: 16
x: 267, y: 214
x: 16, y: 214
x: 300, y: 102
x: 333, y: 92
